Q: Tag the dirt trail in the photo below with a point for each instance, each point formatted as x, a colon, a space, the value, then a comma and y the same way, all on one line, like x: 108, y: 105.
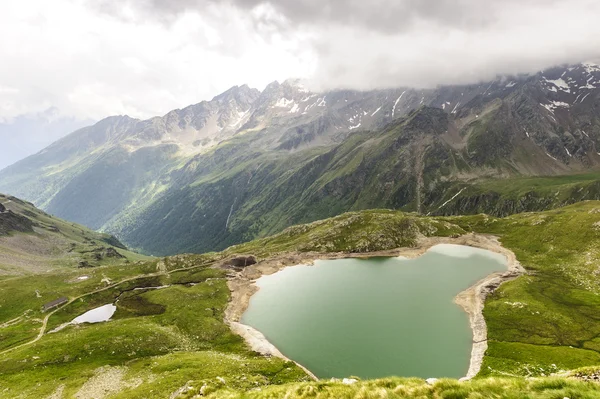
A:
x: 113, y: 285
x: 14, y: 321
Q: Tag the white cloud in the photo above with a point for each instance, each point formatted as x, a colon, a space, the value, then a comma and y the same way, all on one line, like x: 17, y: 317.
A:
x: 523, y: 37
x: 95, y: 58
x: 88, y: 64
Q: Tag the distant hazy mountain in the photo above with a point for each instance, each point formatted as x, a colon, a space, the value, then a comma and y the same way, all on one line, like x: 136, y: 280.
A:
x: 28, y: 134
x: 249, y: 163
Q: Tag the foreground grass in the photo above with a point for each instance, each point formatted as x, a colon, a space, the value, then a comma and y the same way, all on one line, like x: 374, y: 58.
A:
x: 547, y: 388
x: 158, y: 338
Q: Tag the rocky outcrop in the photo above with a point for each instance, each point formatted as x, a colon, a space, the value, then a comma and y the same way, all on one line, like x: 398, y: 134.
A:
x: 588, y: 376
x: 103, y: 253
x: 241, y: 261
x: 112, y: 253
x: 12, y: 222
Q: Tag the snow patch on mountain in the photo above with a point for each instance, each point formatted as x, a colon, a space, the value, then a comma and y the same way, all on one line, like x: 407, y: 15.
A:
x: 455, y: 108
x: 584, y: 97
x: 554, y: 105
x: 284, y: 103
x: 396, y: 103
x: 591, y: 67
x: 560, y: 84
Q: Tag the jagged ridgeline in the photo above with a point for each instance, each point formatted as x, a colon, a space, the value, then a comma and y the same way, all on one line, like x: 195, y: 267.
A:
x: 247, y: 163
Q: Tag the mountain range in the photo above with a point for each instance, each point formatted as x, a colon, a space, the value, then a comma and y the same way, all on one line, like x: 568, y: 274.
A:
x: 247, y: 164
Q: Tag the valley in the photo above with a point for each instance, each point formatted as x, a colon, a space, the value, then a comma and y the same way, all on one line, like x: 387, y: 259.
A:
x: 248, y: 164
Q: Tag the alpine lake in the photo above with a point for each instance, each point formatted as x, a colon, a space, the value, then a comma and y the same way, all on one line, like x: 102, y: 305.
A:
x: 374, y: 317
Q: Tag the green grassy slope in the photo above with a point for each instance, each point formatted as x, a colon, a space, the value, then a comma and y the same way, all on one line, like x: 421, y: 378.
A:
x: 236, y: 193
x: 546, y: 320
x: 158, y: 340
x: 502, y: 197
x: 32, y: 241
x: 365, y: 231
x: 172, y: 341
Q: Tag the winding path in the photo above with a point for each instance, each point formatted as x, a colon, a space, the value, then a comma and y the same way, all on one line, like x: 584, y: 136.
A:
x: 45, y: 320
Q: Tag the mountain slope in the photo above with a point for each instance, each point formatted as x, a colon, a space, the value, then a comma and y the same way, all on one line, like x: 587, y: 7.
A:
x: 250, y: 163
x: 32, y: 242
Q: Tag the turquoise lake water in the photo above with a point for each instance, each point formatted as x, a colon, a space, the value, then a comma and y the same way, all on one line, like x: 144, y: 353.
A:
x: 374, y: 317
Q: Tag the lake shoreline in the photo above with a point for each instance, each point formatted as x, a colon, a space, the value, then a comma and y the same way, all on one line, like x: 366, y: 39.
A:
x: 242, y: 286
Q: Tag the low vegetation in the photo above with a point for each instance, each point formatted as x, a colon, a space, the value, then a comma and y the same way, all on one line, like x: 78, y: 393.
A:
x: 168, y: 339
x: 365, y: 231
x: 498, y: 388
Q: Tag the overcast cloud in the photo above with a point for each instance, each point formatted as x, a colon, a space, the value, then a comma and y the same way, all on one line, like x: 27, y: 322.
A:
x: 93, y: 58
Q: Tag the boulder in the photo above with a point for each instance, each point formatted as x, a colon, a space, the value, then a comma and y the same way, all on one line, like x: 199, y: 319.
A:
x: 2, y: 208
x: 112, y: 253
x: 103, y: 252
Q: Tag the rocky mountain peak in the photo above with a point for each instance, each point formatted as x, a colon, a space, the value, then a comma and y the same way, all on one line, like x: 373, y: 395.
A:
x: 274, y: 85
x: 242, y: 95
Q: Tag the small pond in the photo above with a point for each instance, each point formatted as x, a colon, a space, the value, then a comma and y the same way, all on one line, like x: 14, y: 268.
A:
x: 97, y: 315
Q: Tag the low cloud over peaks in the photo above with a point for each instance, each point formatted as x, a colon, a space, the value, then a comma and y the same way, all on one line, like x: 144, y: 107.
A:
x: 382, y: 43
x: 146, y: 57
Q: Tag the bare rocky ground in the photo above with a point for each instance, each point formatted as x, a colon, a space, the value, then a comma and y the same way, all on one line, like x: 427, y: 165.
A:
x: 588, y: 377
x: 107, y: 381
x: 31, y: 253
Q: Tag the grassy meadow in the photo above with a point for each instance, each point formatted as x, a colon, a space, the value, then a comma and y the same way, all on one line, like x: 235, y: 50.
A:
x: 172, y: 341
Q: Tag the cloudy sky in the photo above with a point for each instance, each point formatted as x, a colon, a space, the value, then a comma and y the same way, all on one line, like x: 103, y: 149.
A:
x: 86, y: 59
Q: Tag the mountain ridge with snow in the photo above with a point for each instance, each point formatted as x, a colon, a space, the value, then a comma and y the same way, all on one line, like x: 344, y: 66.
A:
x: 224, y: 165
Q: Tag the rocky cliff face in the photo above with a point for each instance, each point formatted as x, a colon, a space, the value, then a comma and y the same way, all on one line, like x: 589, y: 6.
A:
x: 249, y: 163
